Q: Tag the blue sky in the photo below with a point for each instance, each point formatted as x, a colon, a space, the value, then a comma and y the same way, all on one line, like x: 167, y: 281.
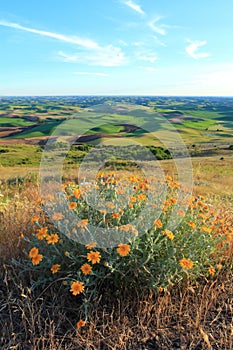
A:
x: 142, y: 47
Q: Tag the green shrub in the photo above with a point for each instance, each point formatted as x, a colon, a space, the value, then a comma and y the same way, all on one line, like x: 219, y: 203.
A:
x: 144, y: 258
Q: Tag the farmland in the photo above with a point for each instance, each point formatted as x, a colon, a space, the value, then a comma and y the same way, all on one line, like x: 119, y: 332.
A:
x: 205, y: 124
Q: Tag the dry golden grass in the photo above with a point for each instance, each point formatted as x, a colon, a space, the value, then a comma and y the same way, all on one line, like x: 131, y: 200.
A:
x: 197, y: 316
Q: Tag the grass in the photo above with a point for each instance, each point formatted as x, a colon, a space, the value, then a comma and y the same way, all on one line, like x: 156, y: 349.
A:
x: 14, y: 155
x: 193, y: 317
x: 12, y: 122
x: 39, y: 130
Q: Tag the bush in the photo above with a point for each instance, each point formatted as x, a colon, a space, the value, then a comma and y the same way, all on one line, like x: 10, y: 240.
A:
x: 144, y: 258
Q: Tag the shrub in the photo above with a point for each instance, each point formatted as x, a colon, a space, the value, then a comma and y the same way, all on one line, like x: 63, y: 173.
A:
x: 144, y: 258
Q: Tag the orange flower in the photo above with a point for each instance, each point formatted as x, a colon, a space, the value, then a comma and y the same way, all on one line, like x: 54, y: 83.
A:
x: 57, y: 216
x: 212, y: 271
x: 86, y: 269
x: 186, y: 263
x: 77, y: 193
x: 37, y: 259
x: 33, y: 252
x: 42, y: 233
x: 115, y: 215
x: 191, y: 224
x: 91, y: 245
x: 52, y: 239
x: 206, y: 229
x: 130, y: 205
x: 158, y: 223
x: 169, y: 178
x: 203, y: 216
x: 35, y: 218
x: 173, y: 200
x: 93, y: 257
x: 142, y: 197
x: 82, y: 223
x: 169, y: 234
x: 143, y: 186
x: 133, y: 178
x: 80, y: 324
x: 63, y: 186
x: 73, y: 205
x: 123, y: 249
x: 55, y: 268
x: 133, y: 199
x: 77, y: 288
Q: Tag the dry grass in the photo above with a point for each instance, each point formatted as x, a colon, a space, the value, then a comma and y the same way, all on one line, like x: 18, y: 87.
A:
x: 197, y: 316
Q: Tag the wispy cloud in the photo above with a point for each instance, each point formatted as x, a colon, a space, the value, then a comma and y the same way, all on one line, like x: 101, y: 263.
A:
x: 159, y: 29
x: 108, y: 56
x: 86, y: 43
x: 100, y: 55
x: 151, y: 58
x: 193, y: 47
x: 159, y: 42
x: 97, y: 74
x: 134, y: 6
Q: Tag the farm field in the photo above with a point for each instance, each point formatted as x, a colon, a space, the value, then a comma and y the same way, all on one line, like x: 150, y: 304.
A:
x: 163, y: 289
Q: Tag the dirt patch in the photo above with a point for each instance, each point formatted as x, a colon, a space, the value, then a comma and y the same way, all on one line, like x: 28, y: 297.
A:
x: 178, y: 119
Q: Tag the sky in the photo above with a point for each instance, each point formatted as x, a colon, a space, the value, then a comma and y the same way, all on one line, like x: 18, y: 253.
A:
x: 116, y: 47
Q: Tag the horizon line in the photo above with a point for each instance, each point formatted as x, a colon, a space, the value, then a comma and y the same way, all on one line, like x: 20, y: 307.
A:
x: 114, y: 95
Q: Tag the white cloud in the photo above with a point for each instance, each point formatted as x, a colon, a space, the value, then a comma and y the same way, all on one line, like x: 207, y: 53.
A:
x: 98, y: 74
x: 157, y: 29
x: 151, y: 58
x: 86, y: 43
x: 138, y: 43
x: 193, y: 47
x: 108, y: 56
x: 134, y: 6
x: 93, y: 53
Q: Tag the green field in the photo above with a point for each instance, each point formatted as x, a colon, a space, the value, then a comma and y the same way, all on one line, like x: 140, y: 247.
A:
x: 202, y: 123
x: 13, y: 122
x: 44, y: 129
